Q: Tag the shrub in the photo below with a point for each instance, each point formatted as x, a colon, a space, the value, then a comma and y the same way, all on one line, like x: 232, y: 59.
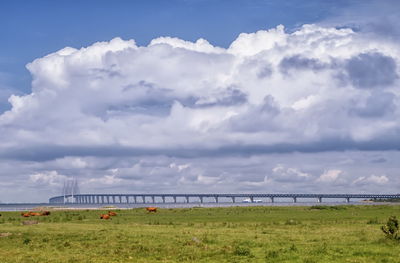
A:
x: 242, y: 251
x: 391, y: 229
x: 373, y: 221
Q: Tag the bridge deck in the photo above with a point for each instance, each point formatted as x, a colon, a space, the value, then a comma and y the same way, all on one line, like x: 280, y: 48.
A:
x: 135, y: 198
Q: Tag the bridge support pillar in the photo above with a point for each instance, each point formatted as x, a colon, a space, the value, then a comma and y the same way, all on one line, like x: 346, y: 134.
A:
x: 153, y: 199
x: 233, y: 199
x: 108, y: 199
x: 319, y: 199
x: 175, y: 199
x: 143, y: 199
x: 113, y: 199
x: 252, y: 199
x: 294, y: 199
x: 163, y: 199
x: 201, y: 199
x: 272, y: 199
x: 216, y: 199
x: 348, y: 200
x: 102, y: 199
x: 120, y: 199
x: 135, y: 199
x: 187, y: 199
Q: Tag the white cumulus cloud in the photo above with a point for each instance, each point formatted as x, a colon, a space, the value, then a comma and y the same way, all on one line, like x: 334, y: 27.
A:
x: 317, y: 89
x: 280, y: 91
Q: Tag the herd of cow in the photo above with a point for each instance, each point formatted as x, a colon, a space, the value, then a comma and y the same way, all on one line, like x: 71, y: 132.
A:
x: 103, y: 216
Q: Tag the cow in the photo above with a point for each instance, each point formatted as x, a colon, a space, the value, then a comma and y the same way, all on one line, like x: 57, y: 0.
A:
x: 111, y: 213
x: 25, y: 214
x: 45, y: 213
x: 34, y: 214
x: 105, y: 216
x: 151, y: 209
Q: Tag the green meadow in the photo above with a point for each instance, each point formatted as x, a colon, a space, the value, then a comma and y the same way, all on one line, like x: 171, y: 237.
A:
x: 231, y: 234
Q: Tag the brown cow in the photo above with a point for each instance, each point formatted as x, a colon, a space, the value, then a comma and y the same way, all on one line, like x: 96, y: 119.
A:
x: 110, y: 213
x: 34, y: 214
x: 151, y: 209
x: 25, y: 214
x: 105, y: 216
x: 45, y: 213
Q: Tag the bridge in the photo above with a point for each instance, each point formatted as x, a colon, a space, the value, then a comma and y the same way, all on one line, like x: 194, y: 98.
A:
x: 187, y: 198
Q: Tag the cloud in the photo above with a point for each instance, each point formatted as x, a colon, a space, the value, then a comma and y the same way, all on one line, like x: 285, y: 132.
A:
x: 377, y: 19
x: 114, y: 95
x: 330, y: 176
x: 47, y: 178
x: 372, y: 179
x: 283, y: 174
x: 176, y: 114
x: 371, y: 70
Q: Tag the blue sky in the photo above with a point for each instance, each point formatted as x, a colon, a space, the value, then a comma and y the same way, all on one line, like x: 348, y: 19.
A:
x: 123, y: 96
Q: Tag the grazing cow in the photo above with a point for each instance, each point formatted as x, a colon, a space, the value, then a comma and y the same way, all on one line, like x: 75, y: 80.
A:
x: 110, y: 213
x: 45, y: 213
x: 25, y: 214
x: 151, y: 209
x: 105, y: 216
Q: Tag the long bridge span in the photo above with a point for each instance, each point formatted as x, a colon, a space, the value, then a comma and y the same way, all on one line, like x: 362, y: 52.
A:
x: 187, y: 198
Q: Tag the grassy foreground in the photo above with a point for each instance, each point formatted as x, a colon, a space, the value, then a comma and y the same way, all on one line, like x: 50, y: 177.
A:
x: 232, y: 234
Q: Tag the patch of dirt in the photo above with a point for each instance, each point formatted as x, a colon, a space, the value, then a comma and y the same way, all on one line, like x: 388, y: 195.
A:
x: 30, y: 222
x: 7, y: 234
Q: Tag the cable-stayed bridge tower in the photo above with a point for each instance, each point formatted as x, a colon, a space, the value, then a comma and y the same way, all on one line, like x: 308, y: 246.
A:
x: 70, y: 190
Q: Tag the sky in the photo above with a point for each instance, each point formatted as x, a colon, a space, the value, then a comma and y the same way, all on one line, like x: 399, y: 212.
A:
x: 199, y: 97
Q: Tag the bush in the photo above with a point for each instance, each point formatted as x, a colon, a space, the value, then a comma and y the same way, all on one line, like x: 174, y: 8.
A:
x: 242, y: 251
x: 373, y: 221
x: 391, y: 229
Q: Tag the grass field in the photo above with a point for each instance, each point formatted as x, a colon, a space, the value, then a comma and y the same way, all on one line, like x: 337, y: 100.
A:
x: 232, y: 234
